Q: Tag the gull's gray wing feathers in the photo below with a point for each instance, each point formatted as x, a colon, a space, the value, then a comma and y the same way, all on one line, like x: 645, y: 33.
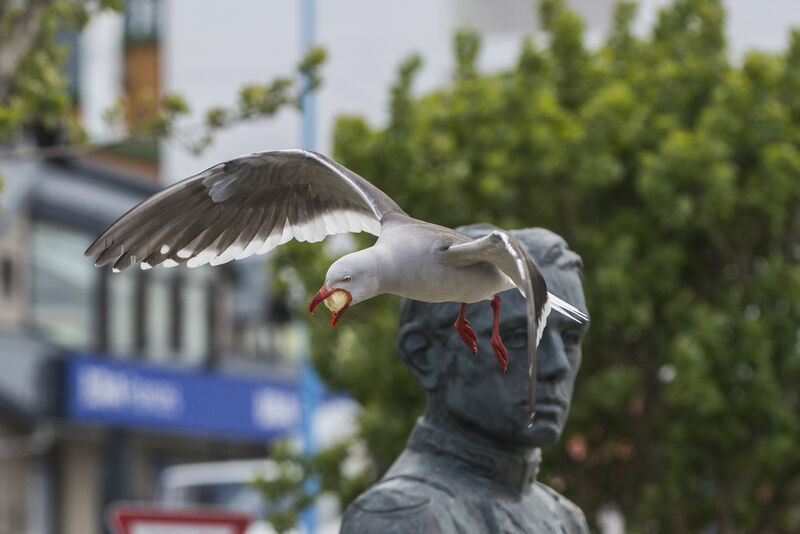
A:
x: 244, y: 206
x: 504, y: 251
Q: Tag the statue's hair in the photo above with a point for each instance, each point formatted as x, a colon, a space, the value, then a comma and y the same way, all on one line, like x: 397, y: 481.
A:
x: 545, y: 247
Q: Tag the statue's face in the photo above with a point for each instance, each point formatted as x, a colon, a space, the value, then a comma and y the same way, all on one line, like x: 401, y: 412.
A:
x: 477, y: 393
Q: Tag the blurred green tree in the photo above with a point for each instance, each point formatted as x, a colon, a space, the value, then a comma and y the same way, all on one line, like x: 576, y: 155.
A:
x: 675, y: 173
x: 34, y: 95
x: 33, y: 85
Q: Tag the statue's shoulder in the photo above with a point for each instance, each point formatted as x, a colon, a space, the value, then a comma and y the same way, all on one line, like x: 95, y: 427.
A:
x: 571, y: 515
x: 399, y: 504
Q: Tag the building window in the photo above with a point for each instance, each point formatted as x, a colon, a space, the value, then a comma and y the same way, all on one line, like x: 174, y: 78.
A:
x: 158, y: 313
x: 63, y: 286
x: 6, y: 278
x: 195, y: 302
x: 141, y: 20
x: 121, y: 308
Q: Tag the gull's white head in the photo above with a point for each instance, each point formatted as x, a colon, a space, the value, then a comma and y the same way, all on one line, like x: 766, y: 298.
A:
x: 350, y: 280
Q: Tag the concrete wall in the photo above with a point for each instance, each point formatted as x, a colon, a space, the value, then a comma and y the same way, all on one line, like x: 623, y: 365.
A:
x: 13, y: 483
x: 14, y: 308
x: 79, y: 509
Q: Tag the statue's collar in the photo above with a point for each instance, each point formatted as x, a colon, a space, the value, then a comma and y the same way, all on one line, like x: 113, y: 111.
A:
x: 514, y: 471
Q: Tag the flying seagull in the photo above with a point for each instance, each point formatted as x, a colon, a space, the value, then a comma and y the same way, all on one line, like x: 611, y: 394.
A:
x: 251, y: 204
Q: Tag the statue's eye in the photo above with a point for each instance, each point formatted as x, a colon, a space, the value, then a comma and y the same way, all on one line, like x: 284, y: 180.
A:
x: 571, y: 338
x: 347, y: 278
x: 516, y: 339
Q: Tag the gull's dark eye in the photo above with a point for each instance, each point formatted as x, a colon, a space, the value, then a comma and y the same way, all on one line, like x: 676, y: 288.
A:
x: 347, y: 278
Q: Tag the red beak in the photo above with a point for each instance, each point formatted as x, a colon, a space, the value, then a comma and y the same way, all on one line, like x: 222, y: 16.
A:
x: 324, y: 293
x: 321, y: 295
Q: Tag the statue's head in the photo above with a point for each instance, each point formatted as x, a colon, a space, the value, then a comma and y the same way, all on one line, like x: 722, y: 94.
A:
x: 469, y: 391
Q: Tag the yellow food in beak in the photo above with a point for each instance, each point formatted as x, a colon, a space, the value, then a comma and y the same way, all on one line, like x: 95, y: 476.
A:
x: 337, y: 300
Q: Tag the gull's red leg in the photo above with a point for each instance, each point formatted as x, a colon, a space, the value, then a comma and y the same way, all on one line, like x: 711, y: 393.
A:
x: 500, y: 351
x: 465, y: 330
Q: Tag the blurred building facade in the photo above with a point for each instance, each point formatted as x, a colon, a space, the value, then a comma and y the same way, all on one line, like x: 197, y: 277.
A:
x: 78, y: 345
x: 105, y: 379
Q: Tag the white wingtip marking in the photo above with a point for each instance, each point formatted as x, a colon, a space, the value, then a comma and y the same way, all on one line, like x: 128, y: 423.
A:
x: 251, y: 248
x: 567, y: 309
x: 271, y: 242
x: 542, y: 321
x: 517, y: 260
x: 287, y: 234
x: 201, y: 259
x: 226, y: 256
x: 299, y: 232
x: 145, y: 266
x: 164, y: 249
x: 375, y: 227
x: 319, y: 232
x: 184, y: 253
x: 168, y: 264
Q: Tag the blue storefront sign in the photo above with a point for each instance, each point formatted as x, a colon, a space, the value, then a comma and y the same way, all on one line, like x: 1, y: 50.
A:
x: 149, y: 397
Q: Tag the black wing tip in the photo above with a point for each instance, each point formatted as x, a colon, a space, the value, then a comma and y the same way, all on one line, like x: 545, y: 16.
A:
x: 124, y: 261
x: 100, y: 245
x: 100, y: 248
x: 101, y: 262
x: 94, y: 248
x: 539, y: 286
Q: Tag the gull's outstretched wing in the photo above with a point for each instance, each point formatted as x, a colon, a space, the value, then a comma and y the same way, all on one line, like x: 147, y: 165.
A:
x: 244, y: 206
x: 505, y: 252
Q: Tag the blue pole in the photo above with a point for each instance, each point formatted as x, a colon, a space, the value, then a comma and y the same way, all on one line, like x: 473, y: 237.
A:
x: 311, y: 391
x: 308, y: 31
x: 311, y: 387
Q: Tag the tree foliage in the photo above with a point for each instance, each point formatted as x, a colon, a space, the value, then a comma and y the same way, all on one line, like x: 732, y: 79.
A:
x: 675, y: 173
x: 300, y: 479
x: 35, y: 96
x: 33, y: 84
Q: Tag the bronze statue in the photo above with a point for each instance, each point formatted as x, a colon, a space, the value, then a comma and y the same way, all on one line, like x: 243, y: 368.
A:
x: 471, y: 461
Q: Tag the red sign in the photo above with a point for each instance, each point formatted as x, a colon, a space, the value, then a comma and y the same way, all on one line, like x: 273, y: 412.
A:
x: 151, y: 520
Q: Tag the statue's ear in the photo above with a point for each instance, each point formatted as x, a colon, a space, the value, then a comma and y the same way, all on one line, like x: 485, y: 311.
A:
x: 418, y: 352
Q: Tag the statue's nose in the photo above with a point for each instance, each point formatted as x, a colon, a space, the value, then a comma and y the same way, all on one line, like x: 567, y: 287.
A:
x: 553, y: 364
